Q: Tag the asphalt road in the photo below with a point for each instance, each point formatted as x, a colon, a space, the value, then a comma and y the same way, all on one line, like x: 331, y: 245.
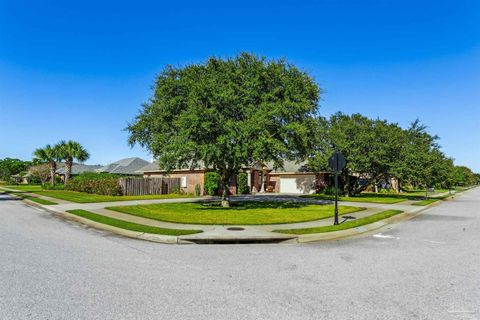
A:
x: 425, y: 268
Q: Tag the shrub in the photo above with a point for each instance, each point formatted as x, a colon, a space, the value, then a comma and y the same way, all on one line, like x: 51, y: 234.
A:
x: 198, y: 190
x: 386, y: 191
x: 97, y: 183
x: 49, y: 186
x: 211, y: 183
x: 96, y: 176
x: 330, y: 191
x: 176, y: 190
x: 243, y: 184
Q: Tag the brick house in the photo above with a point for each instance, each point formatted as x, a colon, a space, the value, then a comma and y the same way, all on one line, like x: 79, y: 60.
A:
x: 291, y: 179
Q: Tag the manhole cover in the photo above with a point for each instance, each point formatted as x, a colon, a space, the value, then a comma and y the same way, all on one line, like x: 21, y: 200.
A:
x: 235, y: 229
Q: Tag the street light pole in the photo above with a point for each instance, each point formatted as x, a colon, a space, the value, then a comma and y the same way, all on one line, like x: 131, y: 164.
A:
x: 337, y: 163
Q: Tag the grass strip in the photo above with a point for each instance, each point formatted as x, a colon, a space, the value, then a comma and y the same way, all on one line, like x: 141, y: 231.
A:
x: 239, y: 213
x: 426, y: 202
x: 130, y: 225
x: 35, y: 199
x: 346, y: 225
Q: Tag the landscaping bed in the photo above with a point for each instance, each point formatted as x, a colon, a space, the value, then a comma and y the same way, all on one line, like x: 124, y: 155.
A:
x: 346, y: 225
x: 240, y: 213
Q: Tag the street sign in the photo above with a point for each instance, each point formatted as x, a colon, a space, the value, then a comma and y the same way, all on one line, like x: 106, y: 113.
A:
x: 337, y: 162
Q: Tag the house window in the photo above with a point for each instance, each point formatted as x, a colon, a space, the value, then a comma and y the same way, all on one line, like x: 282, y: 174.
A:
x: 183, y: 182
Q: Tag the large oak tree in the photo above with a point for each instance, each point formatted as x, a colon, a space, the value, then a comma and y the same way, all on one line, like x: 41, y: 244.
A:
x: 227, y: 114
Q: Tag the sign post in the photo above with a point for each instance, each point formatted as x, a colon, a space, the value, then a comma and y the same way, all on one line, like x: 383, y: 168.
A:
x: 336, y: 162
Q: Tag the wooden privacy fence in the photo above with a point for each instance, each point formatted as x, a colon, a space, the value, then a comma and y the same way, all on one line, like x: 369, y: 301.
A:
x: 146, y: 186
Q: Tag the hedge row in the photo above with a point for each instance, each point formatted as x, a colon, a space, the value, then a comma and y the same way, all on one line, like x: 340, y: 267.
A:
x: 103, y: 184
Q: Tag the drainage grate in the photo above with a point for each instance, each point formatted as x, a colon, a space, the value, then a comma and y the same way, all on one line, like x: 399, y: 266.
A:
x: 235, y: 229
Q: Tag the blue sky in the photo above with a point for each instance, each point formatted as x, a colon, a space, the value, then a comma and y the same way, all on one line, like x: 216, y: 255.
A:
x: 81, y: 69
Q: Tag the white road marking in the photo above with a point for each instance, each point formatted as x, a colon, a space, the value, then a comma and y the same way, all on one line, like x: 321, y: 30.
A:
x: 436, y: 242
x: 460, y: 311
x: 383, y: 236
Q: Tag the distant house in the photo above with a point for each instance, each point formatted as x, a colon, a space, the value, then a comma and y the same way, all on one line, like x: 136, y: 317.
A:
x: 293, y: 178
x: 77, y: 168
x: 127, y: 166
x: 21, y: 178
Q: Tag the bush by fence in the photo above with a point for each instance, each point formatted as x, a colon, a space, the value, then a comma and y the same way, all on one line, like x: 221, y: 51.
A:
x: 97, y: 183
x: 243, y: 184
x: 211, y: 183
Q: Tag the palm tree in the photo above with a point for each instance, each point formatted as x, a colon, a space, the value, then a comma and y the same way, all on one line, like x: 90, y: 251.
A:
x: 50, y: 155
x: 72, y: 150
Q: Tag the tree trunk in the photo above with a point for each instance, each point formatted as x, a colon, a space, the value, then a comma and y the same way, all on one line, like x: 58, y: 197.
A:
x: 225, y: 195
x: 53, y: 168
x: 68, y: 169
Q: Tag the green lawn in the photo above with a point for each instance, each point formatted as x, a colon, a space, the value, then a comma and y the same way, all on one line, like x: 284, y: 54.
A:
x: 34, y: 199
x: 387, y: 198
x: 130, y: 225
x: 240, y: 213
x: 81, y: 197
x: 425, y: 202
x: 346, y: 225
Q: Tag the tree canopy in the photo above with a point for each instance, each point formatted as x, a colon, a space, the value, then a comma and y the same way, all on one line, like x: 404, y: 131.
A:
x: 227, y: 114
x: 69, y: 151
x: 377, y: 150
x: 10, y: 166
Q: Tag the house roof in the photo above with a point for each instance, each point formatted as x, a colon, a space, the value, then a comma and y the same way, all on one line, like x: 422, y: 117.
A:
x: 78, y: 168
x: 288, y: 167
x: 154, y: 167
x: 124, y: 166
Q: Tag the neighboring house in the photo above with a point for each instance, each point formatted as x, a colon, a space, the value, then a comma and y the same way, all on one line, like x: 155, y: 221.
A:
x: 128, y: 166
x: 292, y: 178
x: 77, y: 168
x: 21, y: 178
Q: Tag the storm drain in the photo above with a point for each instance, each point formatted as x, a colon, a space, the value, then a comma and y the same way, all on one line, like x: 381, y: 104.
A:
x: 235, y: 229
x: 235, y: 241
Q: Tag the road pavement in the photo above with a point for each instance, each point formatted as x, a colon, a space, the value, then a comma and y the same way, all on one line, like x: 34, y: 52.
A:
x: 424, y: 268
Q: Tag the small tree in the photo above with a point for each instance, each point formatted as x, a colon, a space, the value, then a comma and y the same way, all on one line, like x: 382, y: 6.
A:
x: 69, y: 151
x: 40, y: 172
x: 50, y: 155
x: 227, y: 114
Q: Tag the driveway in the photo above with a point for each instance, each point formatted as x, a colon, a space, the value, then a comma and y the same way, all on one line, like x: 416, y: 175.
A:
x: 425, y: 268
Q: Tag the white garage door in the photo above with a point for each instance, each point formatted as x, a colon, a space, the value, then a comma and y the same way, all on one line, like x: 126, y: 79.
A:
x: 301, y: 184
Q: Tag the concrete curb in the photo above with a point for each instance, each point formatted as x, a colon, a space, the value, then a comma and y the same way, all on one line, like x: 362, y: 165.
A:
x: 118, y: 231
x: 296, y: 238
